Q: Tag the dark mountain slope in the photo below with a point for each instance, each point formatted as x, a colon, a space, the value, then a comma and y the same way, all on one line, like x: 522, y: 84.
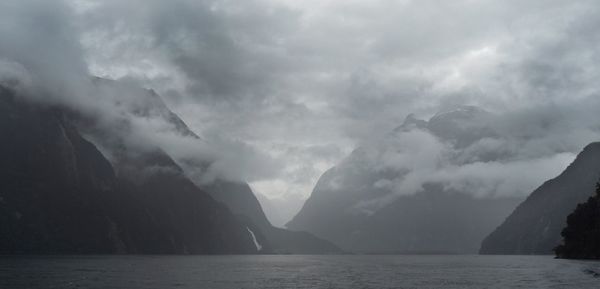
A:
x: 58, y: 194
x: 535, y: 225
x: 189, y: 219
x: 240, y: 199
x: 55, y: 186
x: 236, y: 196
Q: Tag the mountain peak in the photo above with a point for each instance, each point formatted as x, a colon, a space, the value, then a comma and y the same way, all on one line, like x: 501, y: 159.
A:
x: 462, y: 112
x: 411, y: 122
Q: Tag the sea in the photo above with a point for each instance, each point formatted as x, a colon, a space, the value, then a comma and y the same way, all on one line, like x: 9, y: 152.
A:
x: 296, y: 271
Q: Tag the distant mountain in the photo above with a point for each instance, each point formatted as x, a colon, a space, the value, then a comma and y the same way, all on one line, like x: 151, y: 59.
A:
x: 581, y: 237
x: 535, y: 225
x: 366, y: 203
x: 59, y: 194
x: 240, y: 199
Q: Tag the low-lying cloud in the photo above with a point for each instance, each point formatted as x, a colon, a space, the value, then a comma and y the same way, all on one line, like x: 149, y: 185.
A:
x: 471, y: 151
x: 42, y: 58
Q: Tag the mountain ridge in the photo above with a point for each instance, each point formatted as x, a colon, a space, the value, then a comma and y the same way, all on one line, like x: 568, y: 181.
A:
x: 61, y: 195
x: 534, y: 226
x: 153, y: 207
x: 361, y: 204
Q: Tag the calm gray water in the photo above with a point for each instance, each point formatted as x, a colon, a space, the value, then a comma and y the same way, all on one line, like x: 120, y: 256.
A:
x: 230, y: 272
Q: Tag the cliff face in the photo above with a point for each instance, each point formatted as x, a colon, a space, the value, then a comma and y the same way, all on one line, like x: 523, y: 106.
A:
x: 189, y: 220
x: 535, y: 225
x: 581, y: 237
x: 134, y: 165
x: 235, y: 196
x: 59, y: 194
x: 240, y: 199
x: 54, y: 185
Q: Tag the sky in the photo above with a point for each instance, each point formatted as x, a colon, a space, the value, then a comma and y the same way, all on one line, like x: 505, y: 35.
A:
x: 287, y: 89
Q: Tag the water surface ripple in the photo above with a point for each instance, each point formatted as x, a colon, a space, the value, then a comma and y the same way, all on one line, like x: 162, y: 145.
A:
x: 291, y: 271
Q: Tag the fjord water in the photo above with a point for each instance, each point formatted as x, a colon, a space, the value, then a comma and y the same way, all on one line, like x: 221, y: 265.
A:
x: 295, y: 271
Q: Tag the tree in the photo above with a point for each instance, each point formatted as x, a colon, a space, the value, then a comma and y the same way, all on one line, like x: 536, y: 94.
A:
x: 581, y: 237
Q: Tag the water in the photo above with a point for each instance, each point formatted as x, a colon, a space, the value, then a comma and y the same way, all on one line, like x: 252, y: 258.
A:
x: 288, y: 271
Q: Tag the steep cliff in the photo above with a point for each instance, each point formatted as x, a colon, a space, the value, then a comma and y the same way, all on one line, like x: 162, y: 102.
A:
x: 240, y: 199
x: 59, y: 194
x: 535, y: 225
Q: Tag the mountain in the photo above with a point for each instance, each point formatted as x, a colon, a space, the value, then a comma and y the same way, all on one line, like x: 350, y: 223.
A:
x: 581, y: 237
x: 535, y: 225
x: 236, y: 196
x: 142, y: 103
x: 60, y: 195
x: 54, y: 185
x: 240, y: 199
x: 369, y: 202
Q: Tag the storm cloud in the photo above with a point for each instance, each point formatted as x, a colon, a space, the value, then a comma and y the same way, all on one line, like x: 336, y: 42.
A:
x: 286, y: 89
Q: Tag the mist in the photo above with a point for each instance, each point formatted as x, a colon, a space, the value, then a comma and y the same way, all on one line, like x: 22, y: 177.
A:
x: 281, y: 91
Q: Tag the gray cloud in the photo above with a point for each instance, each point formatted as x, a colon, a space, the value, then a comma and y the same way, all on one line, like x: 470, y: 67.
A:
x: 40, y: 46
x: 465, y: 150
x: 290, y: 87
x: 43, y: 59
